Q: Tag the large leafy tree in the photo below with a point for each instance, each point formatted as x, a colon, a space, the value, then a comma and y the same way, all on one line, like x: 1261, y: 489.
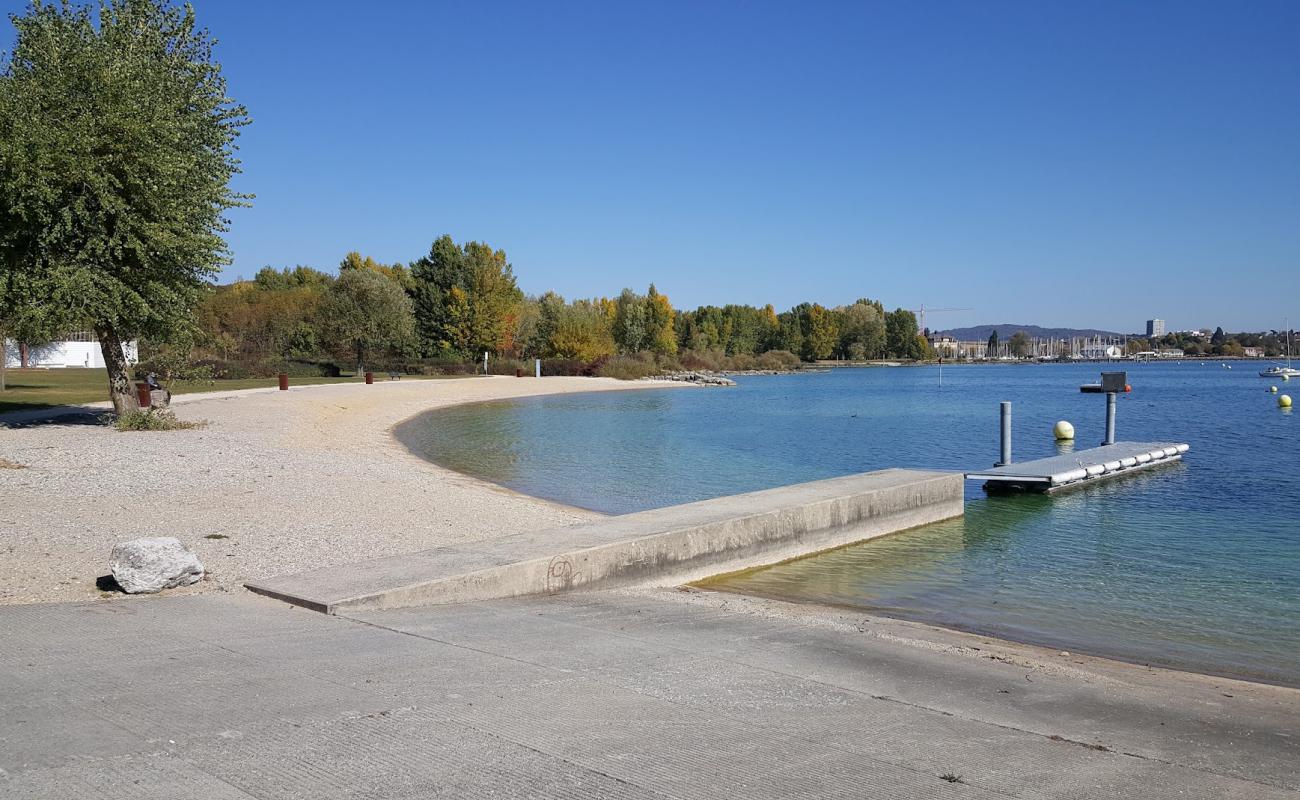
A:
x: 365, y: 313
x: 466, y: 299
x: 117, y: 147
x: 902, y: 338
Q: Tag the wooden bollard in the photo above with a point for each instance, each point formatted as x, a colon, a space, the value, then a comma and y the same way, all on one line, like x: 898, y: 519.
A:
x: 284, y: 381
x: 519, y: 372
x: 144, y: 396
x: 370, y: 378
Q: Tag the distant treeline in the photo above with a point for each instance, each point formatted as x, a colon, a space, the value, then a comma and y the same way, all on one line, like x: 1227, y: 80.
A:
x: 442, y: 311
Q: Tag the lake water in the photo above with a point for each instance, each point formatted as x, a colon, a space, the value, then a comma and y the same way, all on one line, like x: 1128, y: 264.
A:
x: 1195, y: 565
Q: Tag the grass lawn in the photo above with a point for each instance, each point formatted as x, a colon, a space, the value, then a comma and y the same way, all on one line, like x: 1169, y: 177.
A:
x: 43, y: 388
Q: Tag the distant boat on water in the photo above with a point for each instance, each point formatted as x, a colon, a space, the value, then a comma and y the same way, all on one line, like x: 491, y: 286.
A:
x: 1283, y: 370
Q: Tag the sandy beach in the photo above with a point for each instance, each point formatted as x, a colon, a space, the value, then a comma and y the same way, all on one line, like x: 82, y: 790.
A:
x: 276, y: 482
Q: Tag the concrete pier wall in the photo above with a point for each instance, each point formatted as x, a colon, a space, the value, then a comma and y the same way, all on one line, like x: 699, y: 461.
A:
x: 666, y: 546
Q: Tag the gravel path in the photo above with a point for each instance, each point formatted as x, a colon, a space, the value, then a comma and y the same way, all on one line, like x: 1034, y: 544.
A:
x: 277, y: 482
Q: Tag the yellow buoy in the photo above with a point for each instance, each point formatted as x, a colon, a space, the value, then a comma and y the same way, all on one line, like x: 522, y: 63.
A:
x: 1284, y: 401
x: 1273, y: 389
x: 1063, y: 430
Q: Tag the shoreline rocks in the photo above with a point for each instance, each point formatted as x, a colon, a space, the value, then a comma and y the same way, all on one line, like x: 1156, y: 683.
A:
x: 698, y: 378
x: 147, y: 566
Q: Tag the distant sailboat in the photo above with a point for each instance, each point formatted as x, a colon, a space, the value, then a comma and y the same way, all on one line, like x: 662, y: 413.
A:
x: 1283, y: 371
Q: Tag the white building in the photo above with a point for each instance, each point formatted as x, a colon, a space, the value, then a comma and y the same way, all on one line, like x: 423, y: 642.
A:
x: 1155, y: 328
x: 76, y: 350
x: 1100, y: 352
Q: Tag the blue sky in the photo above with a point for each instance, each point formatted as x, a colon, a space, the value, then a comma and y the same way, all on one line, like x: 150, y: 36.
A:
x: 1085, y: 164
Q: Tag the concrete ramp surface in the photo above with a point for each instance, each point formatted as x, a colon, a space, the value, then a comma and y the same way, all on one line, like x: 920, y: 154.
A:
x: 650, y: 548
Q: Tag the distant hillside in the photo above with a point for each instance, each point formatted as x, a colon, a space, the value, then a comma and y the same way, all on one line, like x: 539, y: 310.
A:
x: 981, y: 333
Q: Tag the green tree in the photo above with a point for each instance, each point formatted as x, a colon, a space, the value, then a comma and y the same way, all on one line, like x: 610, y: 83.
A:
x: 117, y: 146
x: 818, y: 334
x: 862, y: 330
x: 466, y: 299
x: 631, y: 325
x: 901, y: 334
x: 398, y: 273
x: 25, y: 325
x: 993, y: 344
x: 365, y: 312
x: 1020, y: 344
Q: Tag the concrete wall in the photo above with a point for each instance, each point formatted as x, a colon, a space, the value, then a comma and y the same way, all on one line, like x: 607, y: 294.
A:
x: 667, y: 546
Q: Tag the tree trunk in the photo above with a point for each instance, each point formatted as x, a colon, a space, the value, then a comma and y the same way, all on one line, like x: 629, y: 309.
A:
x: 119, y: 372
x: 23, y: 355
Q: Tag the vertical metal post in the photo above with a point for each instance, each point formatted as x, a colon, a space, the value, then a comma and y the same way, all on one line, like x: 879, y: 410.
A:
x: 1006, y: 434
x: 537, y: 367
x: 1110, y: 418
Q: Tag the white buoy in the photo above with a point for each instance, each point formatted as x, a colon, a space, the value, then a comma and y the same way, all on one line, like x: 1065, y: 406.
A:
x: 1272, y: 389
x: 1284, y: 401
x: 1063, y: 431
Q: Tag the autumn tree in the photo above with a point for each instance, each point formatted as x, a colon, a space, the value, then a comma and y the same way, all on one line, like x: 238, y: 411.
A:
x: 660, y: 318
x: 579, y: 330
x: 117, y: 147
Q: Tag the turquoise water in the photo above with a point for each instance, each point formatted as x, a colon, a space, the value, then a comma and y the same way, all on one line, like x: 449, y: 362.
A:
x: 1194, y: 566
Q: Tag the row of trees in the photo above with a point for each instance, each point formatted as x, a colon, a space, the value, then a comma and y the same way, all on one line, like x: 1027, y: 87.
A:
x: 461, y: 300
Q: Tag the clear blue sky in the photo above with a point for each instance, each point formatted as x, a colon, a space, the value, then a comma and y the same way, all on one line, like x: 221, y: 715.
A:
x: 1084, y: 164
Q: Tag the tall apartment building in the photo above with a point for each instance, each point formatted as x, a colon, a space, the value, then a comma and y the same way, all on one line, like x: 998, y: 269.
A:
x: 1155, y: 327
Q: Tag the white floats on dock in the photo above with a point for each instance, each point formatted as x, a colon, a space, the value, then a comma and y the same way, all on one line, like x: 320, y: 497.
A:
x: 1076, y: 469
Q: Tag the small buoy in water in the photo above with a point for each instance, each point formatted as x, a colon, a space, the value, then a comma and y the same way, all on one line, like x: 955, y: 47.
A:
x: 1272, y: 389
x: 1128, y: 387
x: 1063, y: 430
x: 1286, y: 377
x: 1284, y: 401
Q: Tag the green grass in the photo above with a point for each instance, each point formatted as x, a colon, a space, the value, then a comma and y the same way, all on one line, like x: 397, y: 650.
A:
x: 42, y: 388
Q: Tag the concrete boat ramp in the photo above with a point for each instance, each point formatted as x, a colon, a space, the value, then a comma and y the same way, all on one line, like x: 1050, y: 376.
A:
x: 661, y: 547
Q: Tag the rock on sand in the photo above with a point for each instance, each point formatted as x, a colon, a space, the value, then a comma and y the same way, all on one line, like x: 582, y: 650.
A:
x: 145, y: 566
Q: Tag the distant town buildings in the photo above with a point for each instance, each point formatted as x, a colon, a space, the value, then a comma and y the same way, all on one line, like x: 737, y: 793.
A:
x: 1155, y: 328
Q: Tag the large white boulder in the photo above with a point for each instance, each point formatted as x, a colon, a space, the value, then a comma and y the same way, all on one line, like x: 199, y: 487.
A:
x: 144, y: 566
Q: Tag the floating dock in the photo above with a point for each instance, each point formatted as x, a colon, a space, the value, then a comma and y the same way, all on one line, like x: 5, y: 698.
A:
x: 1078, y: 469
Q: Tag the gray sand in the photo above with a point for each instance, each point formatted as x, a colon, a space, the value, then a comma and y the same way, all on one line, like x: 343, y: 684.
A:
x: 293, y: 480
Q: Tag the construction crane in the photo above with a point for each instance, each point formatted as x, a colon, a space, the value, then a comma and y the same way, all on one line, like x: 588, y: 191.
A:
x: 920, y: 314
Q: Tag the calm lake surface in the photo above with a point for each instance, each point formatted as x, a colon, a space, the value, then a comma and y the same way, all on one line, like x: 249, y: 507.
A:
x: 1194, y: 566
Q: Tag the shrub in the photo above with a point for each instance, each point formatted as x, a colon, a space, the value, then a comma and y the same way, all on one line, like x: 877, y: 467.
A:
x: 298, y: 369
x: 565, y: 366
x: 703, y: 359
x: 153, y: 420
x: 507, y: 366
x: 629, y: 367
x: 777, y: 359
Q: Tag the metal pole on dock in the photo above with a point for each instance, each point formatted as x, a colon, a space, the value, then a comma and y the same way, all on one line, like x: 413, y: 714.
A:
x: 1110, y: 418
x: 1006, y: 434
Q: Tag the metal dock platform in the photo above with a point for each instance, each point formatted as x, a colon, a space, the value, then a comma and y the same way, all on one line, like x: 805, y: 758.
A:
x: 1077, y: 469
